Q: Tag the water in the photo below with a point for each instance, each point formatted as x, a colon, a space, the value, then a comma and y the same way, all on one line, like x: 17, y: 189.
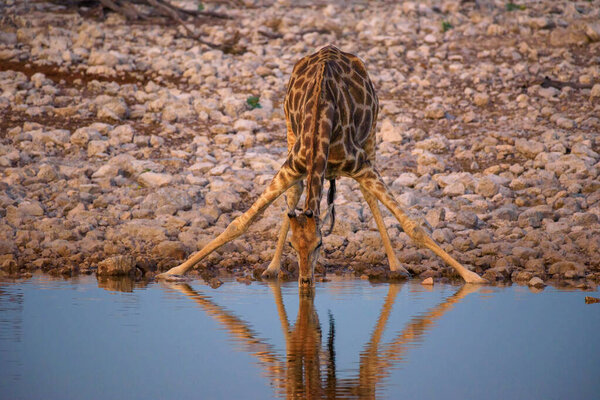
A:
x: 84, y: 339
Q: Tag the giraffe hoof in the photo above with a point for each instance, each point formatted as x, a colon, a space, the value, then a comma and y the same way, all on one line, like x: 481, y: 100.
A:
x: 472, y: 277
x: 399, y: 269
x: 165, y: 276
x: 269, y: 274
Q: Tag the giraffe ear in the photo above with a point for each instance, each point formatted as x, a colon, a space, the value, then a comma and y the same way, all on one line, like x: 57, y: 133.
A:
x: 308, y: 213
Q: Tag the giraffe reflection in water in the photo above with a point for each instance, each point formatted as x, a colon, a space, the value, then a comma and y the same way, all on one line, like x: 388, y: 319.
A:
x: 308, y: 369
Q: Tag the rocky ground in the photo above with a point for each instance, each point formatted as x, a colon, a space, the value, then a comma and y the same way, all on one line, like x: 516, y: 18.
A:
x: 130, y: 146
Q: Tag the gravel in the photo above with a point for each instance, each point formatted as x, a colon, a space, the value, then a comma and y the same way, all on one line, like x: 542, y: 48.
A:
x: 125, y: 140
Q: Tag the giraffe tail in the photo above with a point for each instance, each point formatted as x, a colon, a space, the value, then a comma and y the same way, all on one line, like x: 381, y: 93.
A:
x: 330, y: 206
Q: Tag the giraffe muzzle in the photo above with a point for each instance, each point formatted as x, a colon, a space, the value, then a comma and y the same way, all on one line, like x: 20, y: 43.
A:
x: 305, y: 282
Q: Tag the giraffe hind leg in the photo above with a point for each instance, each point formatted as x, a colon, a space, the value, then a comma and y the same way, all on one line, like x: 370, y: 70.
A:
x: 395, y: 265
x: 369, y: 179
x: 293, y: 196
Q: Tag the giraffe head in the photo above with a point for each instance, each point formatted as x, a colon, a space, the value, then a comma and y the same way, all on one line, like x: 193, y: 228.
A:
x: 306, y: 241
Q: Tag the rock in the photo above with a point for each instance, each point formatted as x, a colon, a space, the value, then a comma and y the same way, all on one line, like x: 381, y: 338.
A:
x: 82, y: 136
x: 487, y: 187
x: 584, y: 219
x: 435, y: 217
x: 591, y: 300
x: 97, y: 148
x: 177, y: 198
x: 7, y: 246
x: 524, y: 253
x: 595, y: 92
x: 245, y: 125
x: 8, y: 263
x: 215, y: 283
x: 141, y: 229
x: 172, y: 249
x: 427, y: 281
x: 467, y: 218
x: 549, y: 92
x: 428, y: 162
x: 47, y: 173
x: 113, y: 108
x: 116, y: 265
x: 536, y: 282
x: 389, y: 132
x: 233, y: 107
x: 31, y: 208
x: 568, y: 269
x: 565, y: 123
x: 529, y: 148
x: 106, y: 58
x: 481, y: 99
x: 434, y: 111
x: 154, y: 179
x: 121, y: 134
x: 178, y: 111
x: 408, y: 199
x: 57, y: 137
x: 106, y: 171
x: 479, y: 237
x: 530, y: 218
x: 437, y: 144
x: 454, y: 189
x: 592, y: 31
x: 407, y: 179
x: 541, y: 23
x: 562, y: 37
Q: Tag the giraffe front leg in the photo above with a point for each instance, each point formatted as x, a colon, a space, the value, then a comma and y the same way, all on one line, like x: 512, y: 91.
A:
x: 395, y: 264
x: 293, y: 196
x: 369, y: 179
x: 280, y: 183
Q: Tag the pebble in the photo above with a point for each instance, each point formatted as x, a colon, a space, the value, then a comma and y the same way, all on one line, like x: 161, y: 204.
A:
x: 154, y: 179
x: 116, y: 265
x: 427, y: 281
x: 536, y: 282
x: 113, y: 147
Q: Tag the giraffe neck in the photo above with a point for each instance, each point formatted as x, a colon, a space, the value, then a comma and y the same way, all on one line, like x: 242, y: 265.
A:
x: 317, y: 135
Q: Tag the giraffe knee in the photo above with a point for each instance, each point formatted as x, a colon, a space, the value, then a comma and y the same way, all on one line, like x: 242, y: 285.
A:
x: 416, y: 233
x: 236, y: 228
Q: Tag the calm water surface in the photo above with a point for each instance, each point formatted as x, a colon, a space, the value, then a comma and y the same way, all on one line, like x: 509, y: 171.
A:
x: 84, y: 339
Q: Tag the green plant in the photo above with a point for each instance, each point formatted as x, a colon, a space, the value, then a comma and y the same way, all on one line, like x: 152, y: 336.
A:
x: 510, y: 6
x: 446, y: 26
x: 200, y: 6
x: 252, y: 101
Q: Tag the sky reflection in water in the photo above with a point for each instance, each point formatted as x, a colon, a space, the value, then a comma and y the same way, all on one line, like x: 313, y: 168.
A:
x: 112, y: 340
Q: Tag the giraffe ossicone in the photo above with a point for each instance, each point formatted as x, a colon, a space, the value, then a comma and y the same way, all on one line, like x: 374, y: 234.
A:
x: 331, y: 112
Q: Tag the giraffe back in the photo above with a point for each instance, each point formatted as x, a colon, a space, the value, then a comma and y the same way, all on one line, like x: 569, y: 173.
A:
x: 330, y: 98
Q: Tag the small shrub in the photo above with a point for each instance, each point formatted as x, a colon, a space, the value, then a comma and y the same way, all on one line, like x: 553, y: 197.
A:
x: 446, y: 26
x: 513, y: 6
x: 252, y: 101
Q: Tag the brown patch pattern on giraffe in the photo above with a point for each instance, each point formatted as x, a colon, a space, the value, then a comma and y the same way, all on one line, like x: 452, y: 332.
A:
x: 331, y: 108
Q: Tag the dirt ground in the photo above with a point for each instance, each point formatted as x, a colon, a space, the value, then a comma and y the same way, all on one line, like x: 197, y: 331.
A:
x: 130, y: 145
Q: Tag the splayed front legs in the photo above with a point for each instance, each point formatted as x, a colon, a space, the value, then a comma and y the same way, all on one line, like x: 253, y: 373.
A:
x: 371, y: 182
x: 293, y: 196
x: 280, y: 183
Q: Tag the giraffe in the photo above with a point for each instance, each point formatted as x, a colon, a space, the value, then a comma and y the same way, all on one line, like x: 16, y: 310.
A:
x: 331, y: 111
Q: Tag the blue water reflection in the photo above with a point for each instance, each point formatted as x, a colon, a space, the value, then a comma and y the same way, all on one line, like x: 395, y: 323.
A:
x: 83, y: 338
